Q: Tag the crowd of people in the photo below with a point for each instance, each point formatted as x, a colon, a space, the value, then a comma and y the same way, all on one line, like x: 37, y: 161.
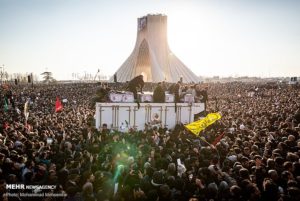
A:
x: 257, y: 157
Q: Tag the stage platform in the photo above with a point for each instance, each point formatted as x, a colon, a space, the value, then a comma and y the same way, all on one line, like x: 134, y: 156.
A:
x: 121, y: 116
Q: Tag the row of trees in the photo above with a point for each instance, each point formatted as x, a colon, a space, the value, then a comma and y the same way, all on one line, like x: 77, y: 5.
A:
x: 23, y: 77
x: 47, y: 77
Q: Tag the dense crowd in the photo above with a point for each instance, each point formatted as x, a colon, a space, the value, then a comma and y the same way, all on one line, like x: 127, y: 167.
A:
x: 256, y: 159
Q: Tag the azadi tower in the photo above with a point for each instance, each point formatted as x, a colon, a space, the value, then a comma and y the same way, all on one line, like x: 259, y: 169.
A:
x: 152, y: 56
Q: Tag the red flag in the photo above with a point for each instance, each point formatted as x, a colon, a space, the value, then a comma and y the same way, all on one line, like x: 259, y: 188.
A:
x: 28, y: 126
x: 58, y: 105
x: 218, y: 139
x: 6, y: 125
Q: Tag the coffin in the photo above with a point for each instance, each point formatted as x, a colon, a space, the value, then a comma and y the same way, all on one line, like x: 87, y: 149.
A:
x: 189, y: 98
x: 169, y: 98
x: 146, y: 97
x: 126, y: 97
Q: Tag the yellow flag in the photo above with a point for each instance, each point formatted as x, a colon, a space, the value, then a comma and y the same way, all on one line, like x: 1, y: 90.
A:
x: 201, y: 124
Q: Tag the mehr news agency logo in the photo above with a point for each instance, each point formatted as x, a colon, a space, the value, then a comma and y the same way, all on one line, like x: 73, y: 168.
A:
x: 37, y: 191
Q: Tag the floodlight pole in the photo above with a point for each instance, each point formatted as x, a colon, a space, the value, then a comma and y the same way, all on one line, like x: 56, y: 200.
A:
x: 31, y: 80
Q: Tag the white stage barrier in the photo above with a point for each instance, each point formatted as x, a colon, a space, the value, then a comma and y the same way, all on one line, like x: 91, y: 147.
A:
x: 119, y: 115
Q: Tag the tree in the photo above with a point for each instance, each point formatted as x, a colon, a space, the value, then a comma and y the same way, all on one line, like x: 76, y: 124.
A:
x: 47, y: 76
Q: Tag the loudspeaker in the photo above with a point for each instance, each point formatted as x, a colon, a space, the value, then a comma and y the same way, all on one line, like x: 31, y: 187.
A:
x: 16, y: 82
x: 115, y: 77
x: 29, y: 78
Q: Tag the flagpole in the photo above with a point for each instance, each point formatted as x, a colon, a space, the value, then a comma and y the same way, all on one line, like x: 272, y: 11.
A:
x: 212, y: 146
x: 200, y: 125
x: 31, y: 80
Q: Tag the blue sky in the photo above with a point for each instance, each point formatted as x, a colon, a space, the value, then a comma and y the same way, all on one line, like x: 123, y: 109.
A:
x: 212, y: 37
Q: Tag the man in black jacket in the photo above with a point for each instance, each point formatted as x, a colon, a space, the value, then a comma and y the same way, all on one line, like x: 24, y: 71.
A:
x: 159, y: 94
x: 174, y: 89
x: 135, y: 83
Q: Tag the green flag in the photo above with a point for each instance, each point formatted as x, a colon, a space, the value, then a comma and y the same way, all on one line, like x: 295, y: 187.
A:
x: 5, y: 105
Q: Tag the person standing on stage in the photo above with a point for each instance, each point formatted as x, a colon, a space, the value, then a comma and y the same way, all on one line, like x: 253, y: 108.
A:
x: 159, y: 94
x: 135, y: 84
